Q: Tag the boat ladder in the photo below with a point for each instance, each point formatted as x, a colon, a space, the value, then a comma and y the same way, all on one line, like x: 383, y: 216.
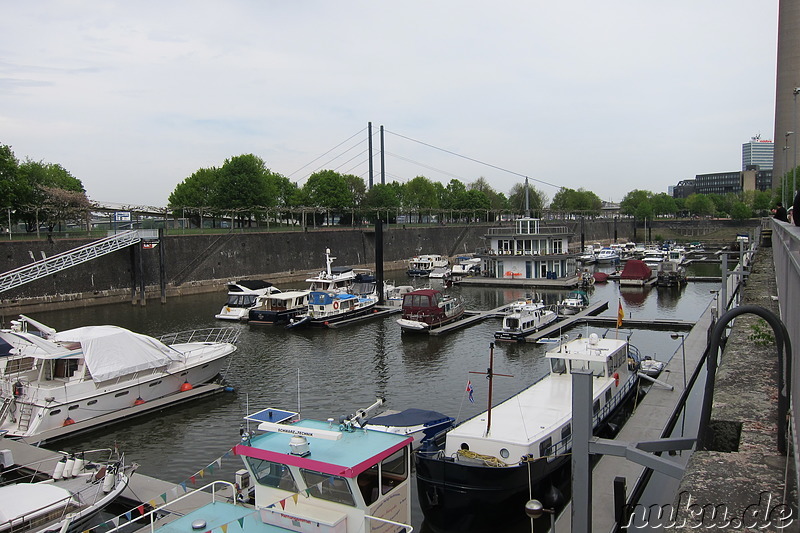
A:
x: 25, y: 412
x: 4, y: 409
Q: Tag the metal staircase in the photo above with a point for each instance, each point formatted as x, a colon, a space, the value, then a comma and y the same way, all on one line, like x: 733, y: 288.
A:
x: 51, y: 265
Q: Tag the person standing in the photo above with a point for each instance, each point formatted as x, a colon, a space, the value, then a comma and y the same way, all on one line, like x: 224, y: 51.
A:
x: 780, y: 212
x: 796, y: 209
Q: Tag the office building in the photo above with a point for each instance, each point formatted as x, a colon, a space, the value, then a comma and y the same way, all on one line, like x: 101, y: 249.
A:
x: 757, y: 152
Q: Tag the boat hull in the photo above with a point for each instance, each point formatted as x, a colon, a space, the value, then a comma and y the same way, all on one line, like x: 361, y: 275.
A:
x: 270, y: 318
x: 325, y: 321
x: 450, y: 492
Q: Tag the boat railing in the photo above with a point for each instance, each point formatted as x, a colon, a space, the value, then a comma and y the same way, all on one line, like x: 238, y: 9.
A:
x: 160, y: 512
x: 369, y: 518
x: 208, y: 335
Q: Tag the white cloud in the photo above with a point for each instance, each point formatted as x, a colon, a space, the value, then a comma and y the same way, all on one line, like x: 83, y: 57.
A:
x: 134, y: 97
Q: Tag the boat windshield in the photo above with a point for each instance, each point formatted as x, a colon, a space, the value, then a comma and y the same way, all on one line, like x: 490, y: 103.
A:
x: 558, y: 365
x: 598, y: 369
x: 375, y: 482
x: 241, y: 300
x: 272, y: 474
x: 328, y: 487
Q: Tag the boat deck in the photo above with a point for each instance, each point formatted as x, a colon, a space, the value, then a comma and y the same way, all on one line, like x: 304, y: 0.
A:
x: 378, y: 312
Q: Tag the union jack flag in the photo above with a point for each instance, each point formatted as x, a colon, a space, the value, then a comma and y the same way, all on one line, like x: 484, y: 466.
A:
x: 469, y: 390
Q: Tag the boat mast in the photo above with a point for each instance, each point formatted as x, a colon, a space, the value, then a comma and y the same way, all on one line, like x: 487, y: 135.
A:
x: 490, y: 376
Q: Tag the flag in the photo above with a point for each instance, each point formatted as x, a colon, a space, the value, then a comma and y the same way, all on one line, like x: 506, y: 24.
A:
x: 620, y: 314
x: 469, y: 390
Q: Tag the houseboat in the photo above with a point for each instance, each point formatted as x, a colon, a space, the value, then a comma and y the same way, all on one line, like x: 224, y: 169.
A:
x: 529, y: 249
x: 279, y: 308
x: 523, y: 318
x: 421, y: 266
x: 244, y: 295
x: 480, y: 474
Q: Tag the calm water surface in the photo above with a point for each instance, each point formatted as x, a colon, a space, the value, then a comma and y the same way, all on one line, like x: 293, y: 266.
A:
x: 334, y: 372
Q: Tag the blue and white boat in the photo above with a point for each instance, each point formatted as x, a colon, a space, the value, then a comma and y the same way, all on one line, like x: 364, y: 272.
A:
x: 310, y: 475
x: 328, y: 307
x: 607, y: 255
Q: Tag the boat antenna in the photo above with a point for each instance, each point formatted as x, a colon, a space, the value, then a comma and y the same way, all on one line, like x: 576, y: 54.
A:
x: 490, y: 376
x: 328, y: 261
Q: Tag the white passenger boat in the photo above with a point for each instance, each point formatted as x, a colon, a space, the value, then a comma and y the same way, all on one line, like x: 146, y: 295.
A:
x: 607, y: 255
x: 334, y: 279
x: 308, y: 476
x: 677, y: 254
x: 480, y: 474
x: 588, y: 256
x: 80, y: 487
x: 51, y: 379
x: 244, y: 295
x: 440, y: 273
x: 467, y: 266
x: 523, y: 318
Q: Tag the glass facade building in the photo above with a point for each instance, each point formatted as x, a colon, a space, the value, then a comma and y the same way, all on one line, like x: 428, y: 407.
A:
x: 757, y: 152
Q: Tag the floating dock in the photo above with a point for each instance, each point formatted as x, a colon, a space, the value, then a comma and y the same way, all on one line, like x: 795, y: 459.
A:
x: 567, y: 322
x: 379, y: 312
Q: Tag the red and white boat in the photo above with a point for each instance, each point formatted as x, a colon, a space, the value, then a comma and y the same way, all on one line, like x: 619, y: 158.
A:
x: 426, y: 309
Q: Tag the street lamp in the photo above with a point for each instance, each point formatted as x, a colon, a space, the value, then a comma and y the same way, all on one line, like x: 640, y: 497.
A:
x: 682, y: 337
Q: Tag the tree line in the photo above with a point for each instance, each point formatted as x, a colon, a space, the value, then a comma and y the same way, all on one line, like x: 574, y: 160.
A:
x: 245, y: 190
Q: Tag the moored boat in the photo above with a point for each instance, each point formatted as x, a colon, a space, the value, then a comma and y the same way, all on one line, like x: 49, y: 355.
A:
x: 653, y: 257
x: 426, y: 309
x: 80, y: 487
x: 480, y: 474
x: 51, y: 379
x: 421, y: 266
x: 279, y: 308
x: 524, y: 318
x: 467, y: 266
x: 575, y: 302
x: 244, y: 295
x: 636, y: 273
x: 670, y: 274
x: 309, y: 475
x: 328, y: 307
x: 607, y: 255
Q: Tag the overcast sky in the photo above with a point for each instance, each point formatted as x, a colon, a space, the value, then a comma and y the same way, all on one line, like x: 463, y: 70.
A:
x: 133, y: 97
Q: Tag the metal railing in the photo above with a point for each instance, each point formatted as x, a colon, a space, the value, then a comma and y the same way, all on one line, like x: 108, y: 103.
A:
x: 786, y: 256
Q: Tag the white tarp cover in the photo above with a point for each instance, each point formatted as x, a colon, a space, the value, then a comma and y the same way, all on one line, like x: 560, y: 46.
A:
x: 111, y: 352
x: 24, y: 498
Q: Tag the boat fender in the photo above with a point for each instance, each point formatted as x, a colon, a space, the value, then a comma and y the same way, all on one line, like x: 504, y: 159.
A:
x: 58, y: 473
x: 335, y: 304
x: 80, y: 463
x: 108, y: 481
x: 138, y: 401
x: 229, y: 389
x: 616, y: 379
x: 19, y: 389
x: 69, y: 466
x: 68, y: 421
x: 186, y: 386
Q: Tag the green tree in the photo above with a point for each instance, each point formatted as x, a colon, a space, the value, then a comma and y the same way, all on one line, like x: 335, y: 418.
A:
x: 740, y: 211
x: 572, y: 201
x: 420, y: 194
x: 195, y: 196
x: 537, y: 200
x: 9, y: 167
x: 663, y: 204
x: 37, y: 198
x: 630, y: 203
x: 700, y: 204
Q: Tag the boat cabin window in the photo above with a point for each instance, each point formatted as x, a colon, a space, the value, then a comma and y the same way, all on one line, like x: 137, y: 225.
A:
x: 382, y: 478
x: 598, y: 369
x: 272, y: 474
x: 327, y: 487
x: 22, y: 364
x: 65, y: 368
x: 608, y: 395
x: 241, y: 300
x: 558, y: 366
x: 416, y: 300
x: 546, y: 447
x: 566, y: 432
x: 596, y: 407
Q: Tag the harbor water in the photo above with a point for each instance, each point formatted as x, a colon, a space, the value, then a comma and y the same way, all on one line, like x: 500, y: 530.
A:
x: 326, y: 373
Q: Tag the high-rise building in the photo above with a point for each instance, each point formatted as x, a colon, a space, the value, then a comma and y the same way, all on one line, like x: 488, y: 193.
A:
x: 757, y: 152
x: 787, y: 81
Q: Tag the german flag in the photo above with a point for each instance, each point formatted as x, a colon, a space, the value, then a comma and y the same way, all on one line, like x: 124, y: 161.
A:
x: 620, y: 314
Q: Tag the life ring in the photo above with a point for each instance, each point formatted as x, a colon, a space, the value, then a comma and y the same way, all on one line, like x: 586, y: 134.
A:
x: 335, y: 304
x: 616, y: 379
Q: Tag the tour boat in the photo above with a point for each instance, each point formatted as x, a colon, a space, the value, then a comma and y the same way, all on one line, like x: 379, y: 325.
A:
x: 51, y: 379
x: 244, y: 295
x: 523, y: 318
x: 65, y: 502
x: 426, y: 309
x: 636, y: 273
x: 279, y: 308
x: 481, y: 473
x: 575, y: 302
x: 306, y: 475
x: 421, y: 266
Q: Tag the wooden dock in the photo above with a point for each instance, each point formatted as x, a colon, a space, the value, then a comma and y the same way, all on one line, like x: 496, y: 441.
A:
x: 650, y: 323
x: 379, y: 312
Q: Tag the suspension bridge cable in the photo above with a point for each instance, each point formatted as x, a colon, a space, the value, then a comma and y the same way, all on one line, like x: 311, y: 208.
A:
x: 326, y: 153
x: 472, y: 159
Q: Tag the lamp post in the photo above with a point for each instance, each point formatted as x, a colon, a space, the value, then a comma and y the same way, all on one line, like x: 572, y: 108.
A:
x: 785, y: 177
x: 682, y: 337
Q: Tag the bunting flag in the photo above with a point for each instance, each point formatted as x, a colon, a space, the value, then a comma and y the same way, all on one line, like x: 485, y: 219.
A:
x: 202, y: 474
x: 183, y: 486
x: 283, y: 504
x: 193, y: 479
x: 241, y: 522
x: 224, y: 528
x: 128, y: 515
x: 620, y: 314
x: 140, y: 509
x: 469, y: 391
x: 164, y: 497
x: 294, y: 497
